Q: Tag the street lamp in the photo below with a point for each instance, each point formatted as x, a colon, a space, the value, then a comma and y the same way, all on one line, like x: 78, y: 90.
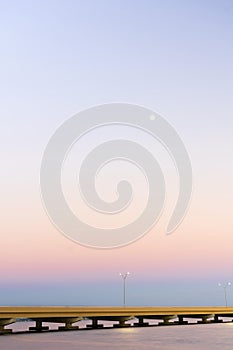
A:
x: 124, y: 276
x: 224, y: 286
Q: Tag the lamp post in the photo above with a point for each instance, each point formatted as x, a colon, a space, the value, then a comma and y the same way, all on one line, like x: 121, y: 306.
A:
x: 224, y: 286
x: 124, y: 276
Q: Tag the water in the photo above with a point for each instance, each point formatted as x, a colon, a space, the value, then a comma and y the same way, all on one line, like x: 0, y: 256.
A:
x: 209, y: 336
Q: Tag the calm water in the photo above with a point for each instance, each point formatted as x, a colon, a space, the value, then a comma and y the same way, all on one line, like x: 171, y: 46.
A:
x: 201, y: 337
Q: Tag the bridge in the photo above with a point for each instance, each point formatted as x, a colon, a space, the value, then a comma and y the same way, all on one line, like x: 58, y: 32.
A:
x: 67, y: 316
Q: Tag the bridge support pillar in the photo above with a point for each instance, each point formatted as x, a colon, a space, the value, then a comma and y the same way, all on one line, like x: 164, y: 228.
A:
x: 205, y: 319
x: 166, y: 321
x: 39, y: 327
x: 5, y: 322
x: 95, y: 324
x: 4, y: 331
x: 68, y: 326
x: 181, y: 320
x: 216, y: 319
x: 122, y: 323
x: 141, y: 323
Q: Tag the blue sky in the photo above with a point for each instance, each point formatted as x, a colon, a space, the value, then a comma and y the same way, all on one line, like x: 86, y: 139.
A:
x: 59, y: 57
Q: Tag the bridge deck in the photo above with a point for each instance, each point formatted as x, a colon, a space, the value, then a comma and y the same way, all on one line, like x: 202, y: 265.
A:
x: 95, y: 311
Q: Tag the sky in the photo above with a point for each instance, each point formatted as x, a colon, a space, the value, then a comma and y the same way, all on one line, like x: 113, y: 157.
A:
x: 61, y: 57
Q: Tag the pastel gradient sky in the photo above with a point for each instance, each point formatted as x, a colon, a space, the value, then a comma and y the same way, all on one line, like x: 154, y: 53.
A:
x: 60, y: 57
